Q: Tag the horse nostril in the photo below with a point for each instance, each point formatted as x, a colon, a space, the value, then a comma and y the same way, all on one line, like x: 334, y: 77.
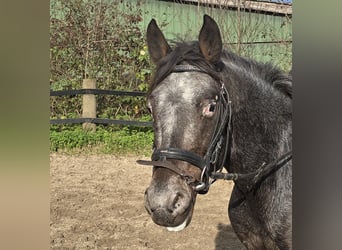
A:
x: 176, y: 202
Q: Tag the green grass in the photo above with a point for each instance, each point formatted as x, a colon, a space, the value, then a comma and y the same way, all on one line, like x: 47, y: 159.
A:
x: 110, y: 140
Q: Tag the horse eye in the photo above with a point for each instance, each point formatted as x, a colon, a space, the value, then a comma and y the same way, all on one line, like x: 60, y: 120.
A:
x: 209, y: 109
x: 212, y: 106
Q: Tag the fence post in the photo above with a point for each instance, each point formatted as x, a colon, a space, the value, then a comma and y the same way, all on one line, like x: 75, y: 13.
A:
x: 89, y: 104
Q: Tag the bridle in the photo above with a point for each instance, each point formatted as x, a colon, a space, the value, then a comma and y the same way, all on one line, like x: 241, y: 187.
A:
x: 211, y: 164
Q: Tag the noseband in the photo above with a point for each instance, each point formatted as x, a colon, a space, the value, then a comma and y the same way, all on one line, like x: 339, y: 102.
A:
x: 211, y: 164
x: 216, y: 154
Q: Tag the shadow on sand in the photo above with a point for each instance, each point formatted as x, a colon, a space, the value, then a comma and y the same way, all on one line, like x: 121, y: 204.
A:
x: 226, y: 238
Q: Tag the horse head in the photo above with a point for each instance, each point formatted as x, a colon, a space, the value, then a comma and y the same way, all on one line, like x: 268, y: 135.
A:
x: 184, y: 100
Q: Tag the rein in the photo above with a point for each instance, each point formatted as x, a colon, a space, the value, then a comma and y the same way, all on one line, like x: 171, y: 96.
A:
x: 253, y: 178
x: 214, y: 159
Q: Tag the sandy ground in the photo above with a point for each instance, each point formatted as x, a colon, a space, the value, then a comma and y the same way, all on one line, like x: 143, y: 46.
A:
x: 97, y: 203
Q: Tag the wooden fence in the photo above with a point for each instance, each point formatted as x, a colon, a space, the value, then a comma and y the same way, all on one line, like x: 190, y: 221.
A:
x: 89, y: 119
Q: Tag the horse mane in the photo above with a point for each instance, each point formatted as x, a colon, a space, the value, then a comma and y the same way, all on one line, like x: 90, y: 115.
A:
x: 266, y: 71
x: 189, y: 52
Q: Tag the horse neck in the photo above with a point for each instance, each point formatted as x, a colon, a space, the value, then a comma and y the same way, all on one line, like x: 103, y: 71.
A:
x: 261, y: 123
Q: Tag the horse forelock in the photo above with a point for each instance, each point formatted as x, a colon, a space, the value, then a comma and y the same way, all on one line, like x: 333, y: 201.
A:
x: 183, y: 53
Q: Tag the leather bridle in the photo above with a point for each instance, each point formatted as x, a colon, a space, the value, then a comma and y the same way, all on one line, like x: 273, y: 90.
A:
x: 211, y: 164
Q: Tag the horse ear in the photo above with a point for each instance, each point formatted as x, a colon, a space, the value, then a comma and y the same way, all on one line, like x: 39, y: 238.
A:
x: 156, y: 42
x: 210, y: 41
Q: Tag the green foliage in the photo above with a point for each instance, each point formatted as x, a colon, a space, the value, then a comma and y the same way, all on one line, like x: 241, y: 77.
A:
x: 102, y: 40
x: 104, y: 140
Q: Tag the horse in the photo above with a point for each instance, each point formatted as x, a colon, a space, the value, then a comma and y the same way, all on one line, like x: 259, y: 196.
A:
x: 218, y: 115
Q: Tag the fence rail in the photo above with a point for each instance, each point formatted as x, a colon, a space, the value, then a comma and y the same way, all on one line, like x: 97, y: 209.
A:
x: 89, y: 119
x: 96, y: 92
x: 100, y: 121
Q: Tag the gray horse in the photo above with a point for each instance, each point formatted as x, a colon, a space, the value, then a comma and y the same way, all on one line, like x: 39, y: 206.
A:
x: 213, y: 109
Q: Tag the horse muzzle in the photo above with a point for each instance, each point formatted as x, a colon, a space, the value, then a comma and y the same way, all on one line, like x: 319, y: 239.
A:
x: 170, y: 204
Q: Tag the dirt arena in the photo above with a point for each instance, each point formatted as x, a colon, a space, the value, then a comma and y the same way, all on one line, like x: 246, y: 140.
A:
x: 97, y: 203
